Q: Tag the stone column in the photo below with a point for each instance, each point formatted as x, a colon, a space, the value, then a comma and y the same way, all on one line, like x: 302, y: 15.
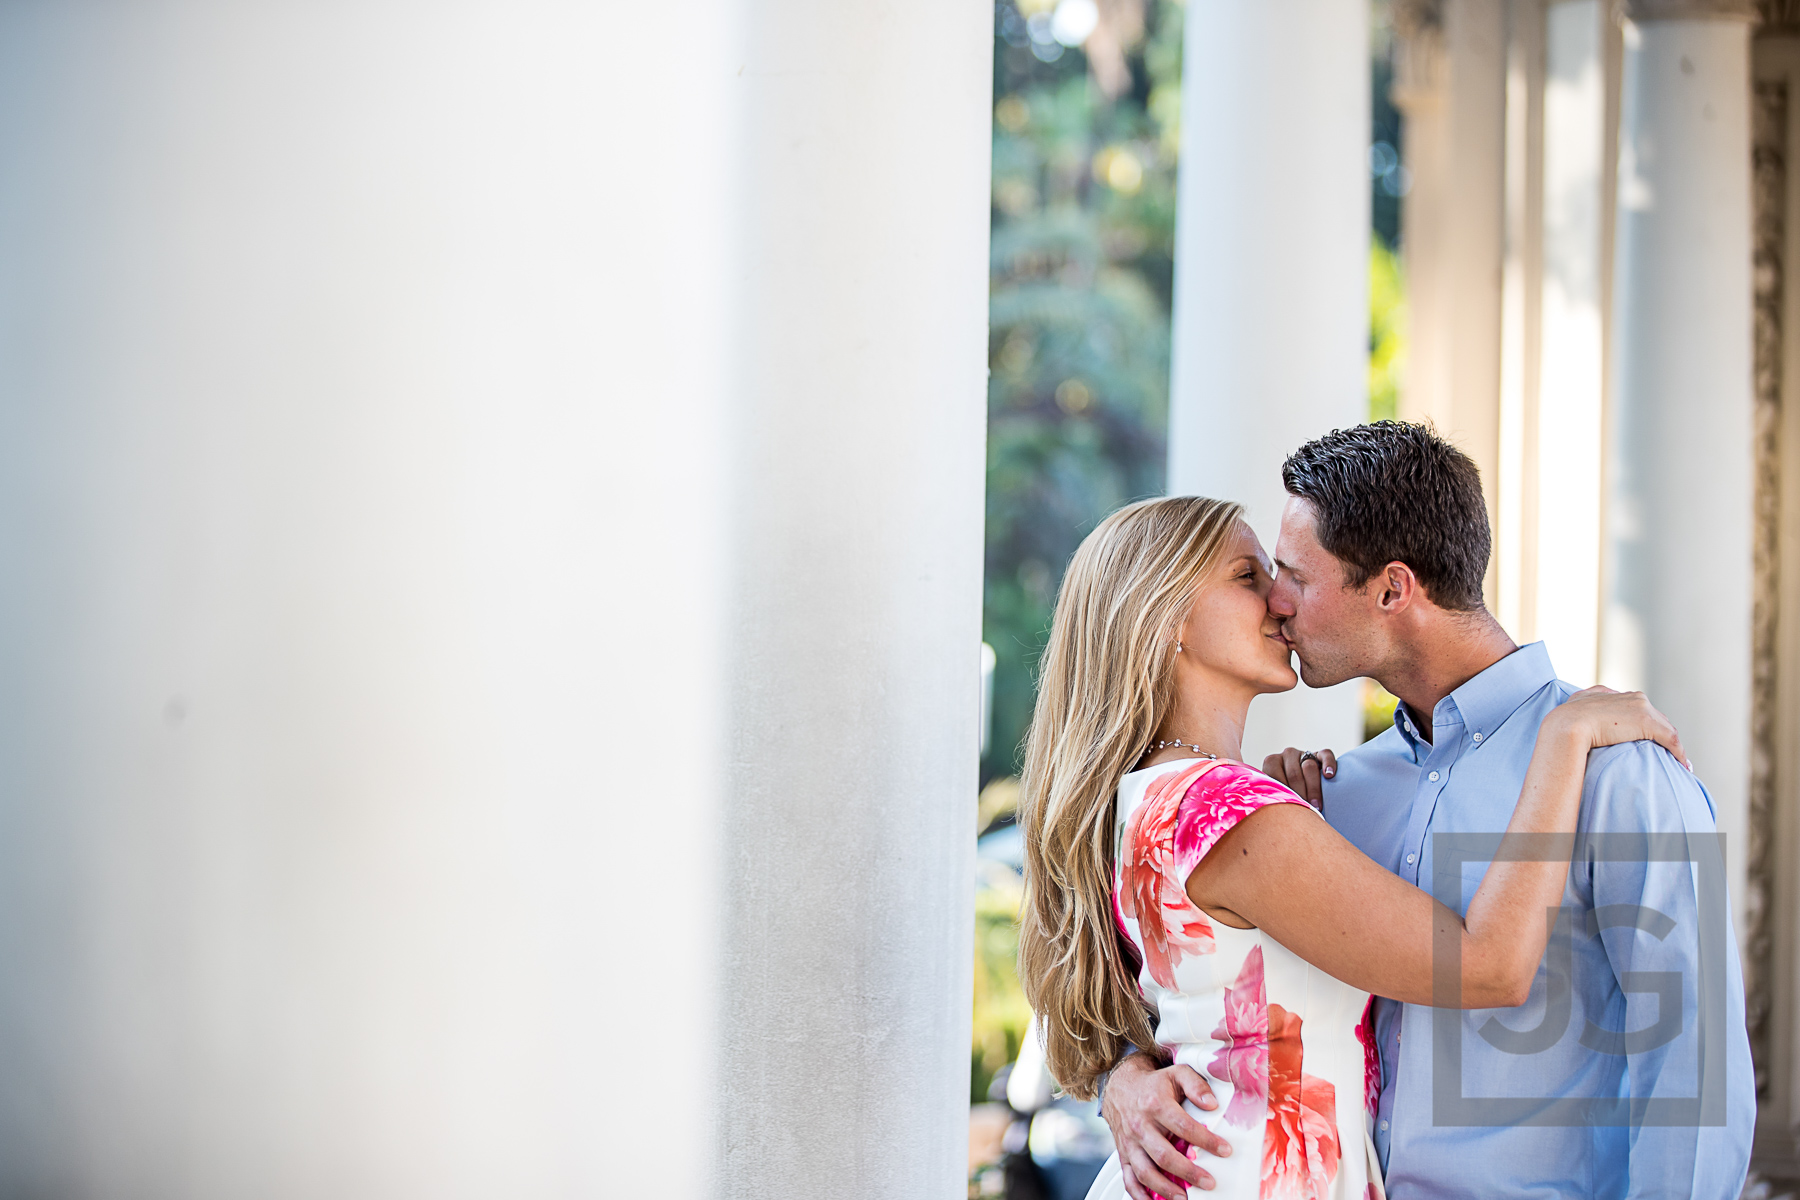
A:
x: 858, y: 466
x: 1571, y: 342
x: 1521, y: 325
x: 1770, y: 918
x: 1271, y: 277
x: 1451, y: 85
x: 491, y: 500
x: 1680, y: 479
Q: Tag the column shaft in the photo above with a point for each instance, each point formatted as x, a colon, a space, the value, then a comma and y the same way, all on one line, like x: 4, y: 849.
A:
x: 1679, y: 515
x: 1571, y: 344
x: 1521, y: 324
x: 492, y: 505
x: 857, y: 548
x: 1271, y: 277
x: 1454, y: 228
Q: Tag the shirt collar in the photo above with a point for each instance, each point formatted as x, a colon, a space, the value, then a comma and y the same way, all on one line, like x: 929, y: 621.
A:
x: 1485, y: 701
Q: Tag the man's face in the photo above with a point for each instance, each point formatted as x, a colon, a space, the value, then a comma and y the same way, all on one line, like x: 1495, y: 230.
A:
x: 1332, y: 627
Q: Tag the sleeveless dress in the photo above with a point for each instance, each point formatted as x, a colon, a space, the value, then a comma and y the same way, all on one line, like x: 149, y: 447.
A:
x: 1288, y: 1049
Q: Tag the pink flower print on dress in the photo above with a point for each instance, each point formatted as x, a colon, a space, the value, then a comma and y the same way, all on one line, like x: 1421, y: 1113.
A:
x: 1300, y: 1145
x: 1215, y: 804
x: 1151, y: 890
x: 1243, y: 1062
x: 1365, y: 1033
x: 1182, y: 816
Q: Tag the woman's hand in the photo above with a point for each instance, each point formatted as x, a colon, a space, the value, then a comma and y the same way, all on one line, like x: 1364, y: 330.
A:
x: 1599, y: 716
x: 1302, y: 772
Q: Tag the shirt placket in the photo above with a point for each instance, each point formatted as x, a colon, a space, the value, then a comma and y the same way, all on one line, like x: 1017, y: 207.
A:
x: 1434, y: 776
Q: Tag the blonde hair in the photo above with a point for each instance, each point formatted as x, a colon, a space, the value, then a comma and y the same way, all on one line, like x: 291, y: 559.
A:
x: 1106, y: 683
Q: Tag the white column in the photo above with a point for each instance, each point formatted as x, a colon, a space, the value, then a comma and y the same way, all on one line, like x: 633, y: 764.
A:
x: 491, y: 505
x: 1677, y: 616
x: 1571, y: 343
x: 1452, y: 90
x: 1420, y: 90
x: 1521, y: 326
x: 858, y: 461
x: 1271, y: 320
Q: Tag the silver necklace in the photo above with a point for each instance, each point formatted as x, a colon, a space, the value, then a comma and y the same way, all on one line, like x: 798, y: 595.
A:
x: 1155, y: 746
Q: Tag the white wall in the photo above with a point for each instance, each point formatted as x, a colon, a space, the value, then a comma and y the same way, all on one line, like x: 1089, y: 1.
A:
x: 1271, y: 322
x: 493, y: 549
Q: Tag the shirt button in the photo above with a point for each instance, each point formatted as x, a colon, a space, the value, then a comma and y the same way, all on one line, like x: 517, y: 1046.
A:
x: 1384, y: 1127
x: 1410, y: 857
x: 1434, y: 777
x: 1478, y: 737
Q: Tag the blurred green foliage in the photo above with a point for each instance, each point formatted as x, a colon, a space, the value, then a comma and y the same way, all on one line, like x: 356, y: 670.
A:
x: 1378, y: 709
x: 1387, y: 331
x: 1001, y: 1013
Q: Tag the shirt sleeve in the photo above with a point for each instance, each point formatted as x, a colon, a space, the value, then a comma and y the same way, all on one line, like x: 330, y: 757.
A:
x: 1656, y: 868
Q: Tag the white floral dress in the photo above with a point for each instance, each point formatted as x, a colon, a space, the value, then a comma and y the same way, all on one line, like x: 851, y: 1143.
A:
x: 1288, y: 1050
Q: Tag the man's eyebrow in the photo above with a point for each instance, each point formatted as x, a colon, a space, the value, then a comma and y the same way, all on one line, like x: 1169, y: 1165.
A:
x: 1285, y: 566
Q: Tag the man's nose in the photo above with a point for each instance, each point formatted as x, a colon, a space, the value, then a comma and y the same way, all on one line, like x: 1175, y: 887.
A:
x: 1279, y: 602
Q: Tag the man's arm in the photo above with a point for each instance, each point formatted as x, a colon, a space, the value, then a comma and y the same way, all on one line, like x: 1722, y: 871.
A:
x: 1683, y: 1030
x: 1142, y: 1105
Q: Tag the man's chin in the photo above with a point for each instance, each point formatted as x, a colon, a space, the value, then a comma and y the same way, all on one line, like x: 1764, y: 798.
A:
x: 1322, y: 677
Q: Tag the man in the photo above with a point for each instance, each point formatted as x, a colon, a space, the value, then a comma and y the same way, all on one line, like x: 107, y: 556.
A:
x: 1627, y: 1072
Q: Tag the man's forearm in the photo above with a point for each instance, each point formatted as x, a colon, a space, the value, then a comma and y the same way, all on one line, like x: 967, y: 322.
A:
x: 1131, y: 1052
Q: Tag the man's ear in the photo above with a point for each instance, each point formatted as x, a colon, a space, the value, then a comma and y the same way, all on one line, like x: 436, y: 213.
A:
x: 1397, y: 587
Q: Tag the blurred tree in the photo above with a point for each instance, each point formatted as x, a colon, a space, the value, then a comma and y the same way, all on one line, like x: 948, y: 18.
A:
x: 1388, y: 178
x: 1083, y: 263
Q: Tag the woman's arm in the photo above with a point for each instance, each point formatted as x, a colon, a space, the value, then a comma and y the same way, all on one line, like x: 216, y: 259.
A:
x: 1287, y: 872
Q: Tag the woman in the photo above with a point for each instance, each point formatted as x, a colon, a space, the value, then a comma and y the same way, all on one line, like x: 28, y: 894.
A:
x: 1177, y: 897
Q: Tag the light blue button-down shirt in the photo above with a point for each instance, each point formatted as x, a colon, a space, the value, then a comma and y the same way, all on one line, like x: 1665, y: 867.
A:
x: 1549, y: 1099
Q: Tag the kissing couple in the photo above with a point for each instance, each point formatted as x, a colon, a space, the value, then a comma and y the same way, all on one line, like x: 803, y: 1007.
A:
x: 1328, y: 978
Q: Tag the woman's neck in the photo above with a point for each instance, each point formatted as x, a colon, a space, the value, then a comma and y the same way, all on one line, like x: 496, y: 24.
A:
x: 1212, y: 722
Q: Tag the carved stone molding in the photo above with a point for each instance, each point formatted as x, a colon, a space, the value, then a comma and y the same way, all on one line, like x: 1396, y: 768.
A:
x: 1778, y: 18
x: 1769, y: 116
x: 1412, y: 17
x: 1419, y: 75
x: 1691, y: 10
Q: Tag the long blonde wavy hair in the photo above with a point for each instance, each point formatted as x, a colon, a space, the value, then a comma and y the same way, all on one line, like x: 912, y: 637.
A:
x: 1105, y: 685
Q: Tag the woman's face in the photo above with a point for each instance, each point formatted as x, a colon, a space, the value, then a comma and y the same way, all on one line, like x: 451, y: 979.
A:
x: 1230, y: 637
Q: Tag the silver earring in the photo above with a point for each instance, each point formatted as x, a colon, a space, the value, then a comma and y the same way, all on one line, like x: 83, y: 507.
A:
x: 1178, y: 645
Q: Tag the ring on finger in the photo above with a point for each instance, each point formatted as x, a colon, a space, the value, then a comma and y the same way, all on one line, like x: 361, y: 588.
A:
x: 1306, y: 755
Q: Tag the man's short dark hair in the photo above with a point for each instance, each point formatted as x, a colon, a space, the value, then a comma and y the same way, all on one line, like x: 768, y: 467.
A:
x: 1393, y: 491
